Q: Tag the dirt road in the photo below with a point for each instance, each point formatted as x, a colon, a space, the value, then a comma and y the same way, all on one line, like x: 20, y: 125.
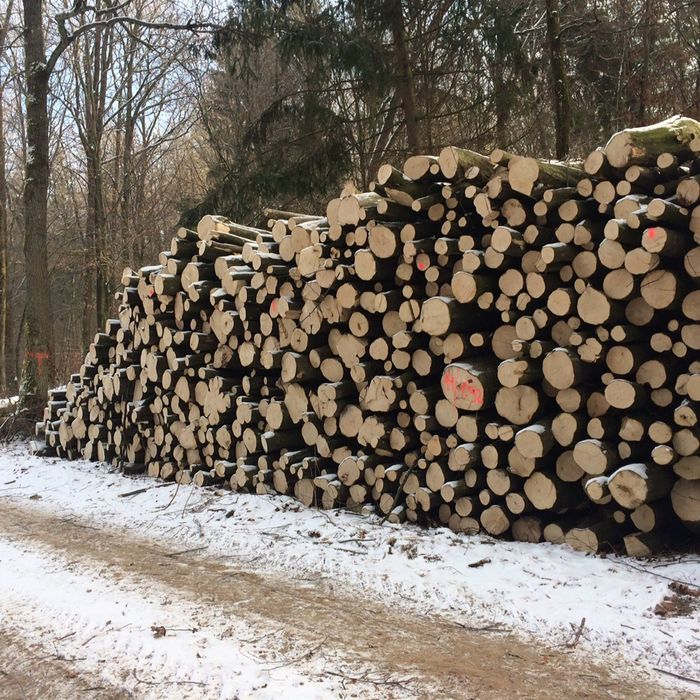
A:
x: 424, y: 656
x: 27, y: 674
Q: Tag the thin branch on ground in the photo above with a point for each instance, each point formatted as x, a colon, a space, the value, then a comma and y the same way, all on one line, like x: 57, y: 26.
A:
x: 140, y: 680
x: 186, y: 551
x: 654, y: 573
x: 402, y: 682
x: 572, y: 644
x: 306, y: 655
x: 677, y: 675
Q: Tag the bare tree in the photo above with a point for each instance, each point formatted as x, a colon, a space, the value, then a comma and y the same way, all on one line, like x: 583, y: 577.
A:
x: 404, y: 73
x: 4, y: 224
x: 39, y: 356
x: 560, y: 81
x: 38, y: 366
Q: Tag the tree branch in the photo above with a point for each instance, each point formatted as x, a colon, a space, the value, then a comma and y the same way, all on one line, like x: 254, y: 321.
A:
x: 79, y: 7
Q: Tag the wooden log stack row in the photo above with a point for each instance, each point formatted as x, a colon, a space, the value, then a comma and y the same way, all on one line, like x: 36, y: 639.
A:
x: 493, y: 343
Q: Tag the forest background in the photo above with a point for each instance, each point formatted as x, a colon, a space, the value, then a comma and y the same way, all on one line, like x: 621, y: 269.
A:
x: 120, y: 120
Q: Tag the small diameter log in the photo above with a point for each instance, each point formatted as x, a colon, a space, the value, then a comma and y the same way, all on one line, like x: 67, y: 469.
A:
x: 514, y: 371
x: 623, y: 394
x: 597, y: 490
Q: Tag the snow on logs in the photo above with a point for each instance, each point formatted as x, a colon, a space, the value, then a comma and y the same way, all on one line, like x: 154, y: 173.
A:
x: 487, y: 342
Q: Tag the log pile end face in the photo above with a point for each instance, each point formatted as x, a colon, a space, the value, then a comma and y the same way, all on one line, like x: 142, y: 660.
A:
x: 484, y: 342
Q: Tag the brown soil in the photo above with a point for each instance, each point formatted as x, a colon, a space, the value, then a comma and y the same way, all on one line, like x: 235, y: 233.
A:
x: 433, y: 657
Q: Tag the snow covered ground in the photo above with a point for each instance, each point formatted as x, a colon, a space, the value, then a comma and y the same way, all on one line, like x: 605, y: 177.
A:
x: 541, y: 591
x: 109, y: 622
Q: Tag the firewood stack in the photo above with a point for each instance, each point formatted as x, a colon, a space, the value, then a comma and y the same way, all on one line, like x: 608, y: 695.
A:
x: 498, y: 343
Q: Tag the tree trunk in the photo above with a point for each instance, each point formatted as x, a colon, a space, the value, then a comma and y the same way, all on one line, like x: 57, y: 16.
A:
x: 501, y: 98
x: 4, y: 277
x: 125, y: 204
x: 404, y: 75
x: 96, y: 233
x: 560, y: 83
x: 4, y: 225
x: 95, y: 66
x: 39, y: 360
x: 644, y: 68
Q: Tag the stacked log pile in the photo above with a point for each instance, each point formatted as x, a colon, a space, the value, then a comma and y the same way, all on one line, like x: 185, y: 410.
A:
x: 498, y: 343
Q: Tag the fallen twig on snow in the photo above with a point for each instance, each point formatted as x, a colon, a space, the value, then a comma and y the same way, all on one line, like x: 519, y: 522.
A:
x: 578, y: 634
x: 677, y: 675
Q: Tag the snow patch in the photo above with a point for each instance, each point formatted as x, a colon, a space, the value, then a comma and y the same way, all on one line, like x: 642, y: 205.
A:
x: 535, y: 590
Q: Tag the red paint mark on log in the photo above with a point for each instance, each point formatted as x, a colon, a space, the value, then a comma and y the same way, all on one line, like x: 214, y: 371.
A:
x: 467, y: 390
x: 463, y: 390
x: 652, y: 233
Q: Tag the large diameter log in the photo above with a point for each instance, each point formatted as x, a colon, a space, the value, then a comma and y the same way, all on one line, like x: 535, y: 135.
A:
x: 643, y: 145
x: 635, y: 484
x: 495, y: 520
x: 536, y: 440
x: 471, y: 385
x: 525, y: 172
x: 455, y: 162
x: 595, y: 457
x: 691, y: 305
x: 564, y: 369
x: 518, y: 405
x: 384, y: 241
x: 548, y: 492
x: 442, y: 315
x: 595, y: 308
x: 685, y: 499
x: 351, y: 210
x: 652, y: 516
x: 643, y: 544
x: 594, y: 537
x: 660, y: 289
